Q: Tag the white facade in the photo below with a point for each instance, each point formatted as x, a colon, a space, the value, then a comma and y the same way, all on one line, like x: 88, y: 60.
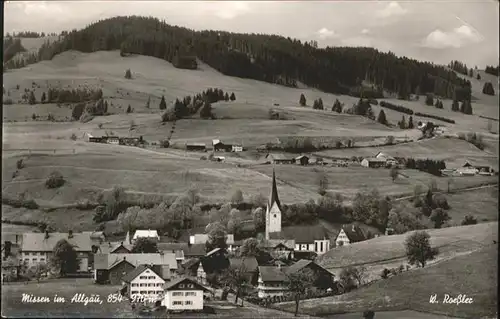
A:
x: 237, y: 148
x: 113, y: 140
x: 270, y: 289
x: 31, y: 259
x: 201, y: 275
x: 273, y: 219
x: 148, y: 285
x: 318, y: 246
x: 183, y: 299
x: 150, y: 234
x: 202, y: 239
x: 342, y: 237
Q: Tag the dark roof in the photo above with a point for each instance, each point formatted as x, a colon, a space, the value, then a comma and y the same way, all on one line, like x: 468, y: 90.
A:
x: 136, y: 272
x: 272, y: 273
x: 274, y: 243
x: 37, y: 242
x: 302, y: 234
x: 191, y: 263
x: 374, y: 159
x: 173, y: 284
x: 194, y: 250
x: 298, y: 266
x: 273, y: 198
x: 354, y: 235
x: 101, y: 261
x: 250, y: 264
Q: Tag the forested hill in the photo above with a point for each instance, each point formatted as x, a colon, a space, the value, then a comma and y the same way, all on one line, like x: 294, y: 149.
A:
x: 267, y: 58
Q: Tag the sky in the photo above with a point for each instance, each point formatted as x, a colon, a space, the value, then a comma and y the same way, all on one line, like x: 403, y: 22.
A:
x: 438, y: 31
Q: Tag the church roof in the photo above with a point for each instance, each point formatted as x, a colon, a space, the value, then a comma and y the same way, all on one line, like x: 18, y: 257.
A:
x: 273, y: 198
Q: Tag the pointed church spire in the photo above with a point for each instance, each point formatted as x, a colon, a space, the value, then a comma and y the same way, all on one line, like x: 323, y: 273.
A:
x: 273, y: 198
x: 127, y: 238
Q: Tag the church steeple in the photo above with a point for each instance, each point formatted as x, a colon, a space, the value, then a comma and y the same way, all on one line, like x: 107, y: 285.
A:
x: 273, y: 198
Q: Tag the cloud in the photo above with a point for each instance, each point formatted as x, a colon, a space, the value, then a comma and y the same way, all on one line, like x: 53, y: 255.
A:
x: 358, y: 42
x: 456, y: 38
x: 365, y: 31
x: 229, y: 10
x: 392, y: 9
x: 324, y: 33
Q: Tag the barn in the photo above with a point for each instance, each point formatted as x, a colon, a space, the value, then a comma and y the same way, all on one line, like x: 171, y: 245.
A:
x: 199, y: 147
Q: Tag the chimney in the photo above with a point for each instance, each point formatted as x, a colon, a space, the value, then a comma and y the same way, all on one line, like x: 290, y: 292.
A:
x: 279, y: 265
x: 70, y: 234
x: 353, y: 228
x: 46, y: 234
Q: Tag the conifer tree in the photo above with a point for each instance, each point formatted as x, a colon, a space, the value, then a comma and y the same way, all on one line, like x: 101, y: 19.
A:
x: 232, y: 97
x: 148, y: 102
x: 302, y: 100
x: 43, y: 98
x: 129, y: 109
x: 32, y: 99
x: 402, y: 123
x: 454, y: 106
x: 163, y: 104
x: 410, y: 123
x: 226, y: 97
x: 381, y: 117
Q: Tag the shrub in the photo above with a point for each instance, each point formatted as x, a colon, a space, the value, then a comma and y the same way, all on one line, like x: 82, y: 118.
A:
x: 469, y: 220
x: 55, y: 180
x: 488, y: 89
x: 164, y: 143
x: 389, y: 140
x: 385, y: 273
x: 20, y: 164
x: 128, y: 74
x: 78, y: 111
x: 8, y: 101
x: 73, y: 137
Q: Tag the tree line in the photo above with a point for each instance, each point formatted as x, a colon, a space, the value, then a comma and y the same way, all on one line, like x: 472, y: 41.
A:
x: 269, y: 58
x: 493, y: 70
x: 433, y: 167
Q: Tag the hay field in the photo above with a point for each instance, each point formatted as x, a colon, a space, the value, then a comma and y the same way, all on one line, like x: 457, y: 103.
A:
x: 473, y: 274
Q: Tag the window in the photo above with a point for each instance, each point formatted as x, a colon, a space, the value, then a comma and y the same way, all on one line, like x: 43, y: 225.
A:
x: 150, y: 285
x: 177, y: 293
x: 181, y: 286
x: 190, y: 286
x: 159, y: 284
x: 34, y: 260
x: 188, y: 302
x: 42, y: 259
x: 141, y: 285
x: 177, y: 303
x: 274, y: 215
x: 143, y: 277
x: 132, y: 292
x: 191, y: 293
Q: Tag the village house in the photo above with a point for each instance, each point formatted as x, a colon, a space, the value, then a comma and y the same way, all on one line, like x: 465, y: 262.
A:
x: 373, y: 162
x: 149, y: 234
x: 302, y: 160
x: 130, y: 141
x: 38, y: 247
x: 480, y: 168
x: 96, y: 237
x: 279, y: 248
x: 249, y: 265
x: 175, y: 248
x: 110, y: 268
x: 184, y: 294
x: 203, y: 238
x: 10, y: 268
x: 323, y: 278
x: 97, y: 139
x: 389, y: 160
x: 113, y: 140
x: 115, y: 248
x: 348, y: 235
x: 143, y: 281
x: 218, y: 146
x: 271, y: 281
x: 199, y: 147
x: 194, y: 250
x: 280, y: 159
x: 236, y: 148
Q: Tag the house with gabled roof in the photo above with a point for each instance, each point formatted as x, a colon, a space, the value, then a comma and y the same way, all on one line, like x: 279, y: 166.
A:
x: 38, y: 247
x: 149, y: 234
x: 348, y: 235
x: 324, y: 278
x: 144, y: 282
x: 280, y: 159
x: 279, y: 248
x: 272, y: 281
x: 249, y: 265
x: 115, y: 248
x: 308, y: 238
x: 184, y: 294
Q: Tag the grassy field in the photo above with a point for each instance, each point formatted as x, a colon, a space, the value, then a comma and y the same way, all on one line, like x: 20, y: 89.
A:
x: 481, y: 203
x: 413, y: 289
x: 389, y: 251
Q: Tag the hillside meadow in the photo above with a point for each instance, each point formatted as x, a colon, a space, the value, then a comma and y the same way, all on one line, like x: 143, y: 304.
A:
x: 473, y: 274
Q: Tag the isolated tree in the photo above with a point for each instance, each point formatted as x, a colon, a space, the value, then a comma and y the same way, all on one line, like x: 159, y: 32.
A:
x: 302, y: 100
x: 144, y: 245
x: 402, y: 123
x: 44, y: 98
x: 232, y: 97
x: 32, y: 98
x: 148, y: 102
x: 129, y: 109
x: 394, y: 173
x: 488, y: 89
x: 105, y: 107
x: 226, y: 97
x: 237, y: 197
x: 337, y: 106
x: 368, y: 314
x: 410, y: 123
x: 418, y: 249
x: 299, y: 283
x: 39, y: 270
x: 429, y: 100
x: 320, y: 104
x: 322, y: 183
x: 249, y: 248
x: 64, y: 258
x: 163, y: 104
x: 259, y: 218
x: 454, y: 106
x: 128, y: 74
x: 348, y: 278
x: 381, y: 118
x: 478, y: 76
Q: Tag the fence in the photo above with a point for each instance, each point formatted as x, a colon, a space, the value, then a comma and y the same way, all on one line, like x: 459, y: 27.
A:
x: 267, y: 301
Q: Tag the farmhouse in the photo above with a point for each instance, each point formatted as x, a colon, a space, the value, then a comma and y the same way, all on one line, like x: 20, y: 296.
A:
x: 373, y: 162
x: 110, y: 268
x: 183, y: 294
x: 115, y: 248
x: 200, y: 147
x: 97, y: 139
x: 203, y: 238
x: 248, y: 265
x: 236, y: 148
x: 389, y: 160
x: 149, y: 234
x: 10, y: 268
x: 145, y: 282
x: 272, y: 281
x: 175, y: 248
x: 38, y: 247
x: 130, y: 141
x: 280, y: 248
x: 194, y: 250
x: 324, y: 278
x: 218, y: 146
x: 480, y: 167
x: 113, y: 140
x: 280, y: 159
x: 348, y: 235
x: 302, y: 160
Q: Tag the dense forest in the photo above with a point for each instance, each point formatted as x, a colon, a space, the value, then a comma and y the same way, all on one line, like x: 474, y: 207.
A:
x: 11, y: 47
x: 269, y: 58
